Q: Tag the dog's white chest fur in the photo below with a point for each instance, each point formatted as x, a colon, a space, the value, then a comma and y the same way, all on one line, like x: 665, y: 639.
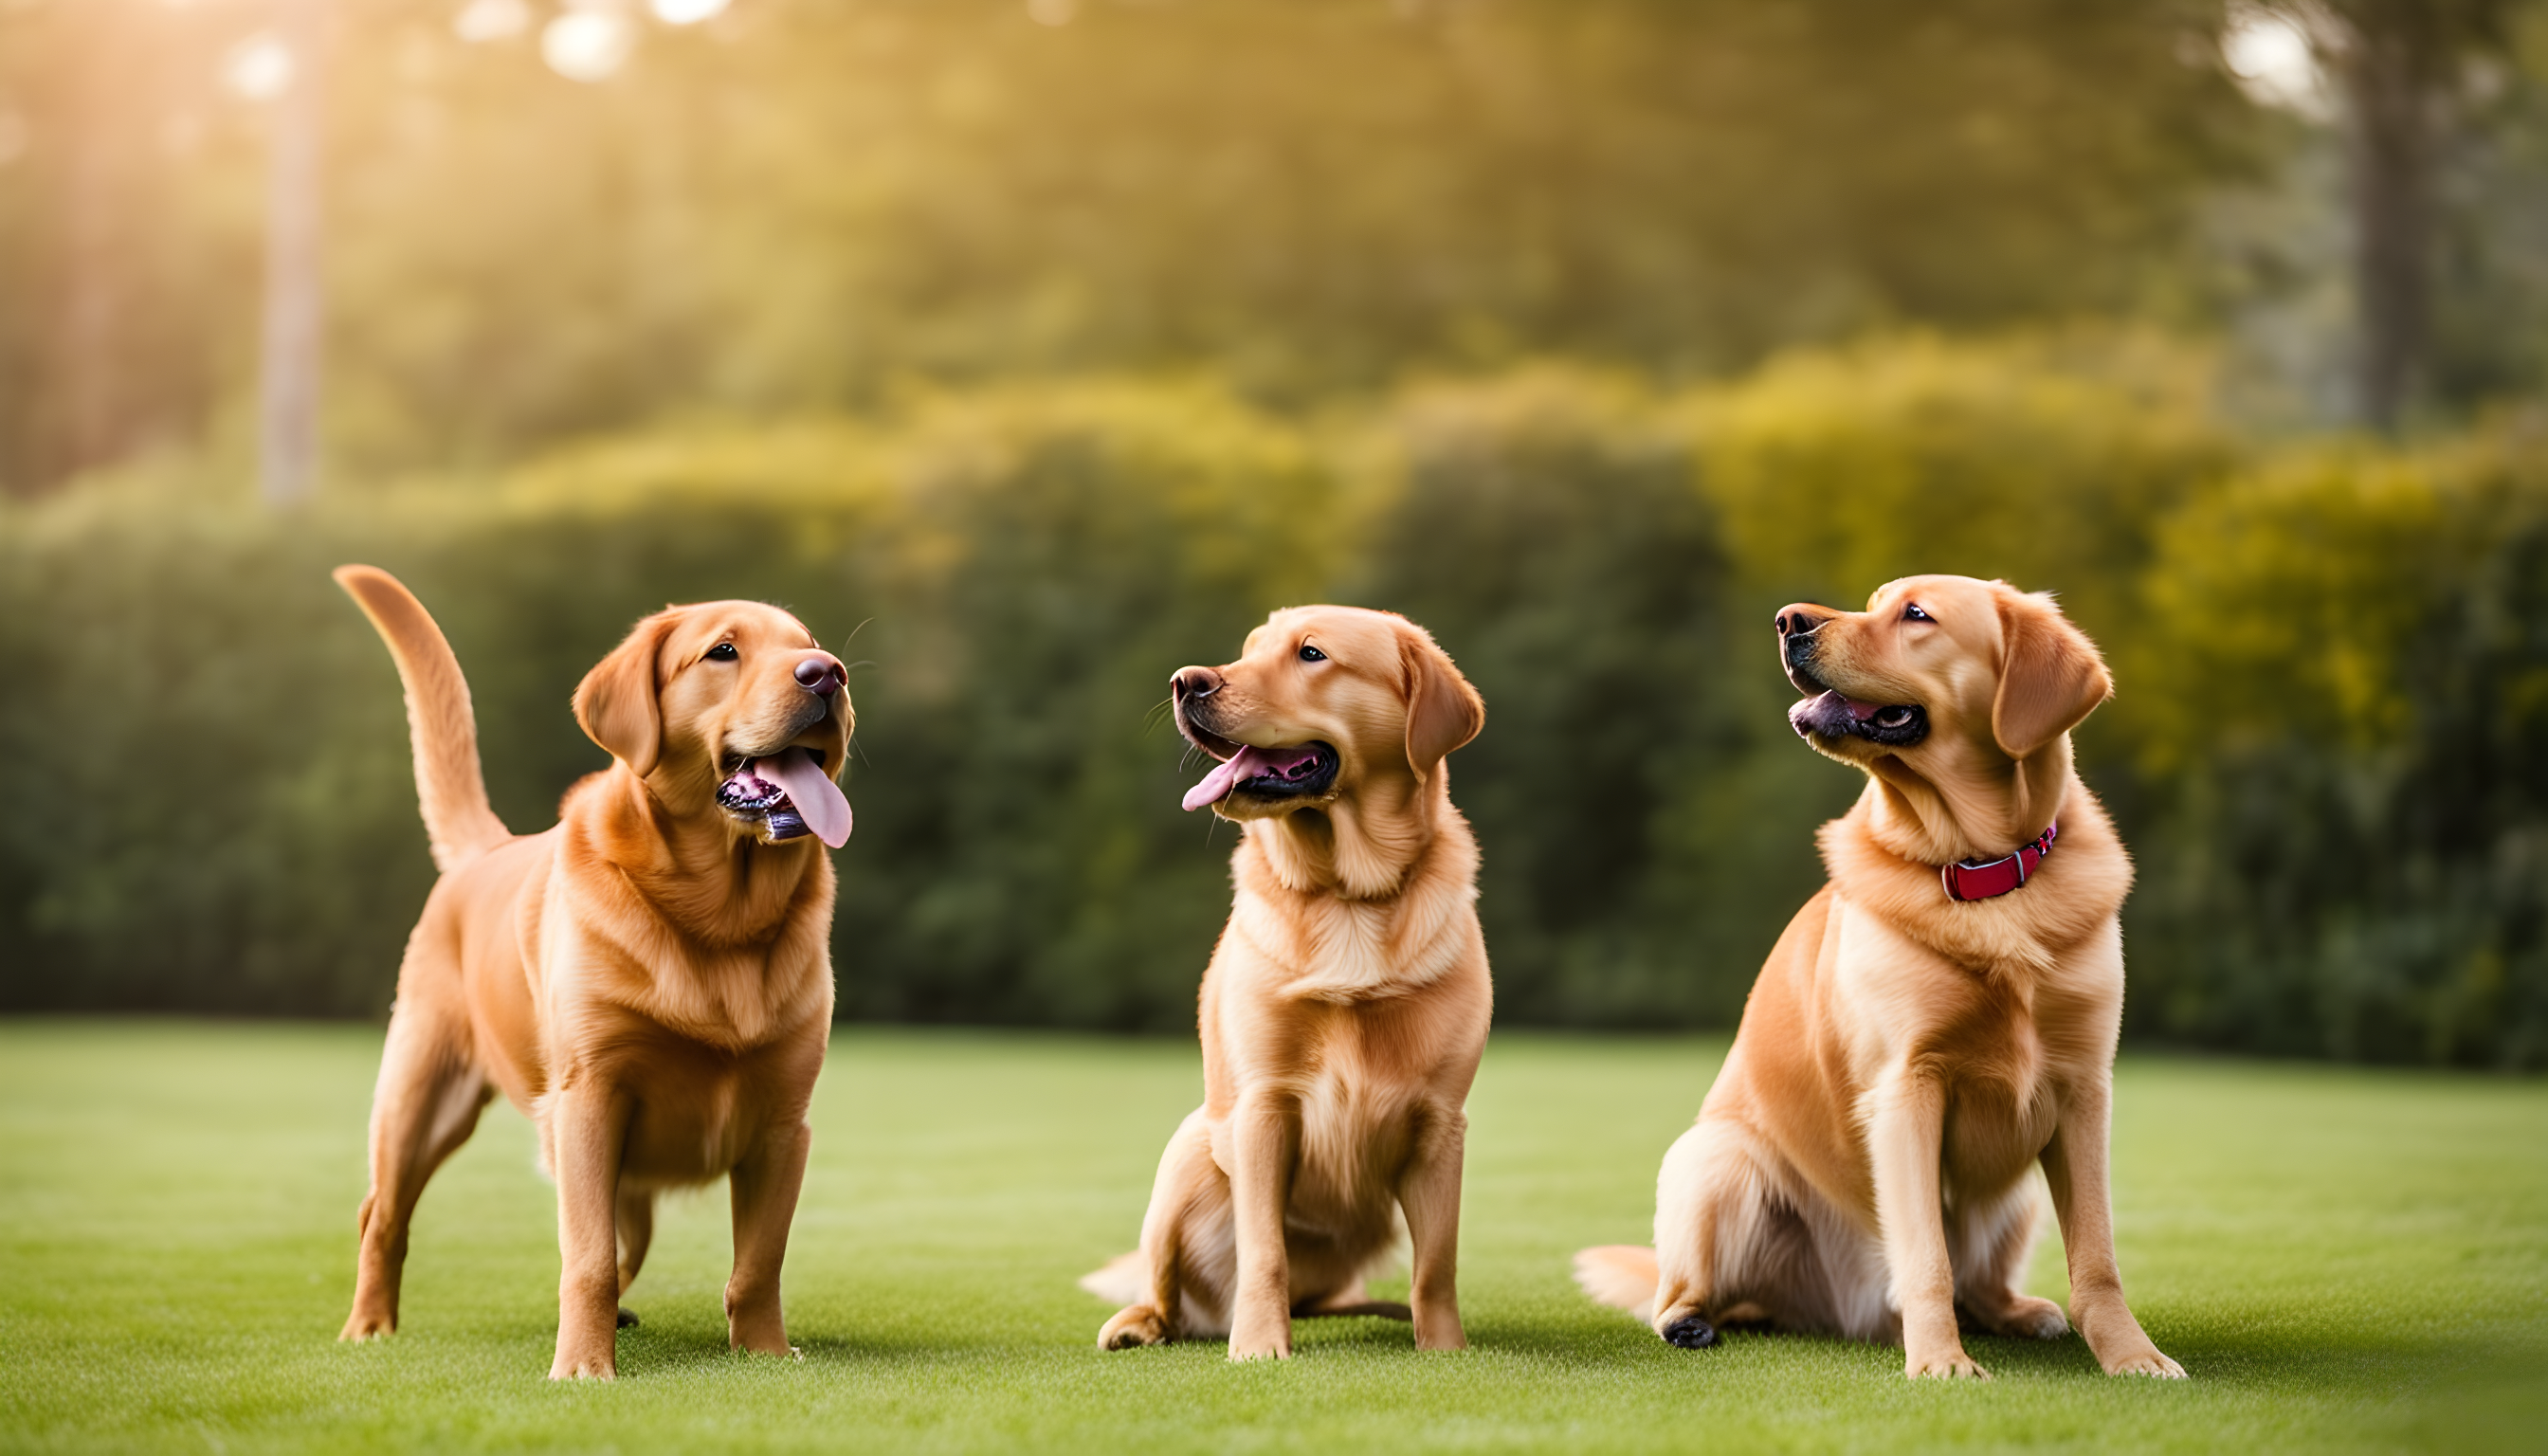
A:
x: 1344, y: 950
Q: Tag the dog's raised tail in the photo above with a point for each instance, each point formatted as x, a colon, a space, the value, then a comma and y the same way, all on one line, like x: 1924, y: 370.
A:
x: 1620, y: 1275
x: 450, y: 789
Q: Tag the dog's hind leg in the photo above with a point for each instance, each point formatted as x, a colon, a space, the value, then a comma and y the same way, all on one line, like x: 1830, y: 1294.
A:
x: 1726, y: 1250
x: 1990, y: 1244
x: 424, y: 1105
x: 636, y: 1220
x: 1430, y: 1193
x: 1191, y: 1191
x: 764, y: 1189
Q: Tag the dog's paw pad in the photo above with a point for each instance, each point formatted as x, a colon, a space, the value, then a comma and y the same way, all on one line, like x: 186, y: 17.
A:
x: 1132, y: 1326
x: 627, y: 1317
x: 1690, y: 1333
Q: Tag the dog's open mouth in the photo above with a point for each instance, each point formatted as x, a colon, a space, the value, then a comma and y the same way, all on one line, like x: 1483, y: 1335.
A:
x: 1832, y: 714
x: 791, y: 794
x: 1267, y: 772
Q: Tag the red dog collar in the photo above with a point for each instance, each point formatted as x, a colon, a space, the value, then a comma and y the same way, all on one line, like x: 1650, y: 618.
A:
x: 1971, y: 881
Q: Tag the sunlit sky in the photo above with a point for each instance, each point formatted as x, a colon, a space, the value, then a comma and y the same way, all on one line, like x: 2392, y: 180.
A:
x: 2271, y: 55
x: 2266, y: 49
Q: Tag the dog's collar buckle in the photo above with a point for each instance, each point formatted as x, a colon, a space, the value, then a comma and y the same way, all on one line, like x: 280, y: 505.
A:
x: 1970, y: 880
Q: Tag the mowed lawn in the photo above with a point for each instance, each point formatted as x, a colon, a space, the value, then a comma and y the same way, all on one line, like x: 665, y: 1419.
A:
x: 2343, y: 1259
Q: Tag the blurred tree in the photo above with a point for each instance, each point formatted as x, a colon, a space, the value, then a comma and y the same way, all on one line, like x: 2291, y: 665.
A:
x: 798, y: 203
x: 1542, y: 525
x: 2432, y: 176
x: 2344, y: 687
x: 2403, y: 63
x: 2489, y: 337
x: 121, y: 249
x: 295, y: 292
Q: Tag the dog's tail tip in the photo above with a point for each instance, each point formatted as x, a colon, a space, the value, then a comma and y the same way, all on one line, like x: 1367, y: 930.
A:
x: 1124, y: 1279
x: 1620, y: 1275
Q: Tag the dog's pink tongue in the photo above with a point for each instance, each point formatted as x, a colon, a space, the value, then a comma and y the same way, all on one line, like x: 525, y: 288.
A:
x: 1247, y: 763
x: 825, y: 808
x: 1862, y: 712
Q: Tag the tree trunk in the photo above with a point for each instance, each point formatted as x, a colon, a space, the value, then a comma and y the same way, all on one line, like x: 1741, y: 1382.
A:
x: 293, y: 311
x: 2393, y: 69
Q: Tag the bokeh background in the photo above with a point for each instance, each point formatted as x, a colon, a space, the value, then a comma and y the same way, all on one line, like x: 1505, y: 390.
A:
x: 1030, y: 350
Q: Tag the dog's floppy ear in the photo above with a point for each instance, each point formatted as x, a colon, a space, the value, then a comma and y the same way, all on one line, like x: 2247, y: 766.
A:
x: 2049, y: 678
x: 1443, y: 710
x: 617, y: 701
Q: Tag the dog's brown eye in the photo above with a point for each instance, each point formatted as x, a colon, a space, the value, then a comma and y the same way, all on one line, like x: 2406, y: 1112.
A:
x: 1913, y: 613
x: 1310, y: 654
x: 723, y: 652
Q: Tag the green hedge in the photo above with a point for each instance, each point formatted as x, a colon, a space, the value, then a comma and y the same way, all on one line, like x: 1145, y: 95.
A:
x: 2331, y: 663
x: 2350, y: 854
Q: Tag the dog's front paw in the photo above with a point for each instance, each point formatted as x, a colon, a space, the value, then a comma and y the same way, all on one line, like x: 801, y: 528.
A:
x: 1948, y: 1364
x: 588, y: 1350
x: 587, y: 1367
x: 764, y: 1342
x: 762, y: 1333
x: 754, y: 1320
x: 1134, y: 1325
x: 1452, y: 1338
x: 368, y: 1324
x: 2147, y: 1361
x: 1261, y: 1340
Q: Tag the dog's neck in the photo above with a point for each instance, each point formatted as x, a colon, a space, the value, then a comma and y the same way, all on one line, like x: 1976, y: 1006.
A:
x: 1980, y: 809
x: 1361, y: 846
x: 667, y: 835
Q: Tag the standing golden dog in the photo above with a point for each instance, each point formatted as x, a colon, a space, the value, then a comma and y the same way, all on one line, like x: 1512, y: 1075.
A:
x: 1343, y: 1011
x: 650, y: 979
x: 1941, y: 1018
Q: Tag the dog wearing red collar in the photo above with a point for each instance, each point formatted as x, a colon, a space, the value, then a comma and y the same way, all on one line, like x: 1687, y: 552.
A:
x: 1939, y: 1020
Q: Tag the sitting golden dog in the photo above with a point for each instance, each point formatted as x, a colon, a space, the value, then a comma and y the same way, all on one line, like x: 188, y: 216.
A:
x: 650, y: 979
x: 1344, y: 1010
x: 1930, y: 1026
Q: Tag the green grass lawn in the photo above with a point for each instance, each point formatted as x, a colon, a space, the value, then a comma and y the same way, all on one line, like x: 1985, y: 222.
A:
x: 2341, y: 1259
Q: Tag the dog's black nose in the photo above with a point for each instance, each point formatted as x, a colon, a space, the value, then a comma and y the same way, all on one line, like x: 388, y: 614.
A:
x: 820, y: 676
x: 1194, y: 683
x: 1795, y: 619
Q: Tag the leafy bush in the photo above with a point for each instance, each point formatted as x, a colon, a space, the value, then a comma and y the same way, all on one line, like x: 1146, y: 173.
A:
x: 1544, y: 526
x: 2323, y: 753
x: 2344, y: 704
